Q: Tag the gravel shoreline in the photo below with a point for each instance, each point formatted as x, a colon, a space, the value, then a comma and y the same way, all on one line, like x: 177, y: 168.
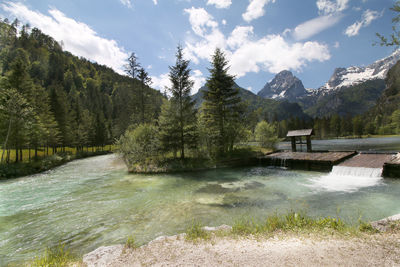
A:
x: 283, y: 249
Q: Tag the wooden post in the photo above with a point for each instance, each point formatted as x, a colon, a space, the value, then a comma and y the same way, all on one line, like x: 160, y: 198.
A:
x: 309, y: 148
x: 293, y: 144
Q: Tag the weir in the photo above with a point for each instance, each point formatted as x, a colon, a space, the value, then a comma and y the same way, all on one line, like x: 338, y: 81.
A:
x: 356, y: 171
x: 346, y: 163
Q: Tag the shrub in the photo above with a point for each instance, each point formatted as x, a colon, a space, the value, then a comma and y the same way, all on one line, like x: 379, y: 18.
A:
x: 266, y: 135
x: 140, y: 144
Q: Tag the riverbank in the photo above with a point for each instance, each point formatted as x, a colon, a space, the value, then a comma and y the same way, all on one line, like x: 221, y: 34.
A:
x: 239, y: 158
x: 15, y: 170
x: 280, y: 249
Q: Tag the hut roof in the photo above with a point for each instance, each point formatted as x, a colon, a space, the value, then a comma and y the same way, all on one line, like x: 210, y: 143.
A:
x: 304, y: 132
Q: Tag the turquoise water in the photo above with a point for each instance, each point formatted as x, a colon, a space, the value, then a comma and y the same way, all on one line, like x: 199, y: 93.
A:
x: 93, y: 202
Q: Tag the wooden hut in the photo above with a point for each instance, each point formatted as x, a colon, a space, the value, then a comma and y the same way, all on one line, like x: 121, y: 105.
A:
x: 299, y: 134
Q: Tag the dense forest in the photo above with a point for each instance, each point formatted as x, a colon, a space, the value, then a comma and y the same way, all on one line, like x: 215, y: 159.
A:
x: 51, y: 99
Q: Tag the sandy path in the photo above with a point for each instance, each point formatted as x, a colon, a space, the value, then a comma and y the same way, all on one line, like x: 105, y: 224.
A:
x: 374, y: 250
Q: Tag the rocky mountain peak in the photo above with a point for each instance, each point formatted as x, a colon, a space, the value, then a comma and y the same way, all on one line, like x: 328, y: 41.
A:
x: 284, y: 85
x: 345, y: 77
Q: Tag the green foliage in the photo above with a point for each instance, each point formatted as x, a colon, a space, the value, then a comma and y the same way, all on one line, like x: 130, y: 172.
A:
x: 131, y: 243
x: 196, y: 231
x: 366, y: 227
x: 265, y: 134
x: 290, y: 222
x: 140, y: 145
x: 221, y: 106
x: 54, y: 257
x: 178, y: 122
x: 50, y: 98
x: 394, y: 39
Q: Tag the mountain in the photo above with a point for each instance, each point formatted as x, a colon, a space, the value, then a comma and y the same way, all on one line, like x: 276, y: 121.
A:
x: 351, y: 90
x: 269, y: 108
x: 389, y: 101
x: 353, y: 100
x: 346, y: 77
x: 284, y: 86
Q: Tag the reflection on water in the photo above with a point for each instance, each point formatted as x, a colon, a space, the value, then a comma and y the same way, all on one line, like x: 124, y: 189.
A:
x: 94, y: 202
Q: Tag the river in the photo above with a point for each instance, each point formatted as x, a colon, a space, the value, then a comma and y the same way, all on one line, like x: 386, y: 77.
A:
x: 93, y: 202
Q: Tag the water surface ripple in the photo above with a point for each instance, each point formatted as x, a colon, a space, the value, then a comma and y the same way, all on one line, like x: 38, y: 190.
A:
x: 93, y: 202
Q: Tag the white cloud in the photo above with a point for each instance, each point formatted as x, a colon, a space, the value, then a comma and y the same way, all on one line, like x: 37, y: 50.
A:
x: 255, y: 9
x: 220, y: 3
x: 329, y: 6
x: 199, y: 80
x: 367, y: 17
x: 163, y: 82
x: 274, y: 54
x: 224, y: 22
x: 200, y: 20
x: 315, y: 26
x: 155, y: 2
x: 126, y: 3
x: 77, y: 37
x: 239, y: 36
x: 248, y: 54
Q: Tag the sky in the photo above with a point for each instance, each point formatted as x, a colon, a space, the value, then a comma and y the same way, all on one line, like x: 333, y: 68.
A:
x: 260, y: 38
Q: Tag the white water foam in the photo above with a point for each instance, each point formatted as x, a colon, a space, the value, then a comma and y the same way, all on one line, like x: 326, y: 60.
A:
x: 348, y: 179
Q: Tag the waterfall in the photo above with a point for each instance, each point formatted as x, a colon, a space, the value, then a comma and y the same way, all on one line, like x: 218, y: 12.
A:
x: 356, y: 171
x: 347, y: 179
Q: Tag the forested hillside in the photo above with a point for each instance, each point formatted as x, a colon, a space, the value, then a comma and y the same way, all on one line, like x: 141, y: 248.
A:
x: 50, y: 98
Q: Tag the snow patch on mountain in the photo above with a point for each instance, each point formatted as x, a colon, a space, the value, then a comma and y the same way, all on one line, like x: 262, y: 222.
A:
x: 345, y: 77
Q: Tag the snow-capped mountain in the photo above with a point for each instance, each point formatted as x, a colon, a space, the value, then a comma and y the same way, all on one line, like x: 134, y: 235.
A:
x: 284, y: 86
x: 345, y: 77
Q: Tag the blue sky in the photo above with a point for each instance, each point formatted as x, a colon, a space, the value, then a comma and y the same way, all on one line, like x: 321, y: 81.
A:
x: 260, y: 37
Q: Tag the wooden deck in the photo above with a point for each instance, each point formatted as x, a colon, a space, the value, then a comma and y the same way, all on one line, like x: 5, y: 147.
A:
x: 333, y: 157
x: 368, y: 160
x: 318, y: 161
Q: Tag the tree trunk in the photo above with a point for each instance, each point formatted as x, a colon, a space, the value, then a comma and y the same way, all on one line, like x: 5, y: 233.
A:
x: 16, y: 155
x: 5, y: 142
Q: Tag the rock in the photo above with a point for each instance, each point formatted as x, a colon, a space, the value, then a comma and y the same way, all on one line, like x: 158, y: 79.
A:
x: 223, y: 227
x: 103, y: 256
x: 385, y: 224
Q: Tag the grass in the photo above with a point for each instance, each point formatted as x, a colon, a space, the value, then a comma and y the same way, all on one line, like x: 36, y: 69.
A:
x: 42, y: 152
x: 292, y: 222
x: 298, y: 223
x: 13, y: 170
x: 196, y: 232
x: 130, y: 243
x: 57, y: 256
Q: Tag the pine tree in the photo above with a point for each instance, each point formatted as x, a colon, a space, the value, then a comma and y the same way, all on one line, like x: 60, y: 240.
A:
x: 181, y: 111
x: 221, y: 104
x: 145, y: 81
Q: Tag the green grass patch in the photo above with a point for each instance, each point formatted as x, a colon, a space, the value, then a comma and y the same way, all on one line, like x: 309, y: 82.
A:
x: 130, y: 243
x: 57, y: 256
x: 297, y: 222
x: 196, y: 232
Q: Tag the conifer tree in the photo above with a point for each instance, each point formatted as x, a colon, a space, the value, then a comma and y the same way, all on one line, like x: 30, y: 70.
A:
x: 221, y: 104
x: 145, y: 81
x: 182, y: 113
